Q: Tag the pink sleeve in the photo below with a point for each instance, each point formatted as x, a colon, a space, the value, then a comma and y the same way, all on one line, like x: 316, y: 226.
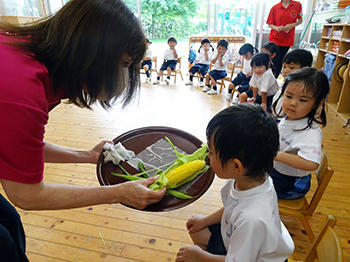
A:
x: 21, y: 142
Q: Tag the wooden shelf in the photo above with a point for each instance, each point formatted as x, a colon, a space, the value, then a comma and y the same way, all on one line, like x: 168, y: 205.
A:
x: 339, y: 94
x: 343, y: 56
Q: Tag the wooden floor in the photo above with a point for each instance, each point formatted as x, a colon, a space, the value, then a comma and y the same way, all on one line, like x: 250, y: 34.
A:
x: 117, y: 233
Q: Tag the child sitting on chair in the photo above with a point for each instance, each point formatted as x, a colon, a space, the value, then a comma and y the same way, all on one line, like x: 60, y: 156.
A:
x: 263, y: 83
x: 242, y: 79
x: 303, y: 97
x: 205, y: 52
x: 243, y: 141
x: 219, y: 61
x: 170, y: 61
x: 147, y: 61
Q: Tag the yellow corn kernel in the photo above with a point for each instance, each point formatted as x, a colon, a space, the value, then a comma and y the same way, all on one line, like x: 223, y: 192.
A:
x: 184, y: 171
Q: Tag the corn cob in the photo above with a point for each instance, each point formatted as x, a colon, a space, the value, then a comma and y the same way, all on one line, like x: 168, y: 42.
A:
x: 179, y: 174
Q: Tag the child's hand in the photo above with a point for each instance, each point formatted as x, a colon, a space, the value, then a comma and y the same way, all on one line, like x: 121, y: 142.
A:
x: 196, y: 223
x: 263, y: 105
x: 251, y: 100
x: 190, y: 254
x: 250, y: 73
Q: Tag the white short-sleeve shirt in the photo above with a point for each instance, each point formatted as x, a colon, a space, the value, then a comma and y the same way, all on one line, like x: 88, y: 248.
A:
x: 201, y: 56
x: 246, y: 66
x: 304, y: 143
x: 148, y: 53
x: 169, y: 54
x: 266, y: 83
x: 251, y: 227
x: 216, y: 65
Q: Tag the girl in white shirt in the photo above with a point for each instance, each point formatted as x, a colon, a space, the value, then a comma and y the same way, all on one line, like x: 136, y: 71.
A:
x: 202, y: 66
x: 263, y: 84
x: 219, y: 61
x: 304, y: 93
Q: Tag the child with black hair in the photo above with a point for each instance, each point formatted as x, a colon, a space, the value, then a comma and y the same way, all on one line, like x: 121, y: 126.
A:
x: 219, y: 61
x: 147, y: 61
x: 292, y: 61
x: 242, y: 79
x: 170, y: 61
x: 242, y: 141
x: 272, y: 49
x: 304, y: 96
x: 205, y: 52
x: 263, y: 83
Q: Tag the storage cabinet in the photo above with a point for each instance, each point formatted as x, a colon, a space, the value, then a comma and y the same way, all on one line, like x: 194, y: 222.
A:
x: 335, y: 39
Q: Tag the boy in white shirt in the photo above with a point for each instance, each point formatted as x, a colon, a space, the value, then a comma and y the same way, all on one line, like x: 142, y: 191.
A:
x: 170, y: 60
x: 243, y: 141
x: 219, y: 61
x: 263, y: 83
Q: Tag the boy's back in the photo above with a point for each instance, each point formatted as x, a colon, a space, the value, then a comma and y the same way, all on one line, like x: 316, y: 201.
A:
x: 251, y: 227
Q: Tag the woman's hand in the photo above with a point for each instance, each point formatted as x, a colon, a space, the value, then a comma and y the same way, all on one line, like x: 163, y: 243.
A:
x: 196, y: 223
x: 136, y: 193
x: 95, y: 152
x: 264, y: 106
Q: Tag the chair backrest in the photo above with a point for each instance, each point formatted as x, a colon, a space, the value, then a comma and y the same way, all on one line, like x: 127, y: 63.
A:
x: 324, y: 174
x: 326, y: 246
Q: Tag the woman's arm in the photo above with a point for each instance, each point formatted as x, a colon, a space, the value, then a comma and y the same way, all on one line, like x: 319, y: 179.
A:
x: 289, y: 27
x: 41, y: 196
x: 59, y: 154
x: 275, y: 27
x: 296, y: 161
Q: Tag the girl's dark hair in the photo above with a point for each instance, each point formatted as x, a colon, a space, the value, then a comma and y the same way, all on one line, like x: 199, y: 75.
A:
x: 272, y: 47
x: 261, y: 59
x: 247, y: 48
x: 245, y: 132
x: 315, y: 83
x: 205, y: 40
x: 82, y: 46
x: 172, y: 39
x: 223, y: 43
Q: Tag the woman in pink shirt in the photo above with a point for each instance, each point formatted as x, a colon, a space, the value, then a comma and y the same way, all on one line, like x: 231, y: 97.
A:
x: 88, y: 52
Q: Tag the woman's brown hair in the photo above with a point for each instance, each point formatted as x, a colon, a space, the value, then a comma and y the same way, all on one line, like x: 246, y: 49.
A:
x: 82, y: 47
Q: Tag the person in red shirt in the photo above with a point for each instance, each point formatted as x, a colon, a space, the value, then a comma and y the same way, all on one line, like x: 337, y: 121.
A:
x: 89, y: 51
x: 282, y: 19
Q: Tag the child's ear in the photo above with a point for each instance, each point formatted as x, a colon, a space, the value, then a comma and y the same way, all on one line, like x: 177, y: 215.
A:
x: 238, y: 166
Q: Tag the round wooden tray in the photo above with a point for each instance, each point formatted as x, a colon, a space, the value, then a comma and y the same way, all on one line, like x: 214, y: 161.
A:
x: 137, y: 140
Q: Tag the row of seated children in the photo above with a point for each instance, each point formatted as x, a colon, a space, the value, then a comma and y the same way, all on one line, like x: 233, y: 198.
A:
x: 259, y: 159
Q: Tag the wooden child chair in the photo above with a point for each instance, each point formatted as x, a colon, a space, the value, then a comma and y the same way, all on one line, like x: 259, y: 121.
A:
x: 175, y: 72
x: 153, y: 69
x: 326, y: 247
x: 301, y: 208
